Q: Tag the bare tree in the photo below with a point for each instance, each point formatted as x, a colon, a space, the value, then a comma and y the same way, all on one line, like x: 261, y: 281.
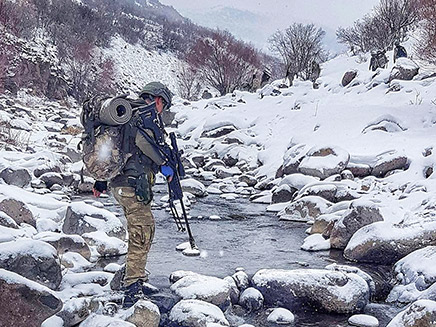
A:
x: 299, y: 46
x: 390, y: 22
x: 427, y: 47
x: 189, y: 85
x: 223, y: 62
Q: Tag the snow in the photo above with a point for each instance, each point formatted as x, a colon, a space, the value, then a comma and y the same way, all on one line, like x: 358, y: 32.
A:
x: 13, y: 278
x: 315, y: 242
x: 21, y: 247
x: 414, y: 313
x: 197, y: 310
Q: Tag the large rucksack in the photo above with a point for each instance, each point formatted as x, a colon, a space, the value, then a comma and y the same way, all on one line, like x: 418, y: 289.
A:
x: 105, y: 146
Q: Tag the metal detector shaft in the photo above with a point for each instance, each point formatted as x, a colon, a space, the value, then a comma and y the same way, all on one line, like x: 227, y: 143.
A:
x: 191, y: 238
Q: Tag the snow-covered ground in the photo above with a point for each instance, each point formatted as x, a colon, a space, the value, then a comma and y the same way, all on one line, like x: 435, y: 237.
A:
x: 327, y: 156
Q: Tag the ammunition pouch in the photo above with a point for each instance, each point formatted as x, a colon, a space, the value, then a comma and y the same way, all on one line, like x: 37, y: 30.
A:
x: 143, y: 187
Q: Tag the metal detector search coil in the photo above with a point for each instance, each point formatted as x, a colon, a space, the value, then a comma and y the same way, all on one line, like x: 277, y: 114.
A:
x: 115, y: 111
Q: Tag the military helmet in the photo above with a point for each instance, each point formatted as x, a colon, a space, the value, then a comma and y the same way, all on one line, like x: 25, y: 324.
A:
x: 157, y: 89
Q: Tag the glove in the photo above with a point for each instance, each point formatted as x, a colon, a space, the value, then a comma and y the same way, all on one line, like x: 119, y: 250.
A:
x: 167, y: 171
x: 99, y: 187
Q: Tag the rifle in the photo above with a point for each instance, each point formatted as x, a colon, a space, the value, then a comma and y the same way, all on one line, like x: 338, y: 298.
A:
x: 150, y: 120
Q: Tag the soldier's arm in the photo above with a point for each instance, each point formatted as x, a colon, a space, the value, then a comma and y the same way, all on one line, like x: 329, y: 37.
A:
x: 148, y: 149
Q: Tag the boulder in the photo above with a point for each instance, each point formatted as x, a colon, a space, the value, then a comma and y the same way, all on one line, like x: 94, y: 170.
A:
x: 194, y: 187
x: 209, y: 289
x: 52, y: 178
x: 143, y: 314
x: 361, y: 213
x: 18, y: 211
x: 35, y: 260
x: 16, y: 176
x: 251, y: 299
x: 250, y: 180
x: 196, y: 313
x: 404, y: 69
x: 323, y: 224
x: 74, y: 311
x: 281, y: 316
x: 384, y: 243
x: 325, y: 290
x: 7, y: 221
x: 106, y: 246
x: 414, y: 275
x: 241, y: 279
x: 66, y: 243
x: 293, y: 157
x: 389, y: 162
x: 81, y: 218
x: 324, y: 161
x: 421, y: 313
x: 315, y: 242
x: 25, y: 303
x: 39, y: 171
x: 359, y: 169
x: 348, y: 77
x: 283, y: 193
x: 304, y: 209
x: 330, y: 191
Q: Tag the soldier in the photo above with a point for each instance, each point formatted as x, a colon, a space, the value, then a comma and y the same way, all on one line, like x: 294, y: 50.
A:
x: 399, y: 51
x: 132, y: 189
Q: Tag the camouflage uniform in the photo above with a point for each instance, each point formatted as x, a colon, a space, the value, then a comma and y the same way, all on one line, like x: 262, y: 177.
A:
x: 132, y: 189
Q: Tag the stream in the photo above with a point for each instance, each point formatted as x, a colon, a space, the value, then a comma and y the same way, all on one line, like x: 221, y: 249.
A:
x: 245, y: 236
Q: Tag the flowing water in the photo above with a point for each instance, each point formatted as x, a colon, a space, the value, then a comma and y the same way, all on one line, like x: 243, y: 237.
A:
x: 245, y: 236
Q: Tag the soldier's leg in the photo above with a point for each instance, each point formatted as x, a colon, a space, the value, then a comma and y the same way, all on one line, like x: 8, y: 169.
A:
x: 141, y: 227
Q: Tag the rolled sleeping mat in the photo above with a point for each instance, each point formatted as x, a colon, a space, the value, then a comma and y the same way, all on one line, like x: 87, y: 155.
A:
x: 115, y: 111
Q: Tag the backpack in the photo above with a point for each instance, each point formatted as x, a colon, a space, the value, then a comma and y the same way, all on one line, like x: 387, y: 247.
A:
x: 104, y: 144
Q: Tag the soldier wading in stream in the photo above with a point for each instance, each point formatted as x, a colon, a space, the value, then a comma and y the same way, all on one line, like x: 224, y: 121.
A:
x: 132, y: 188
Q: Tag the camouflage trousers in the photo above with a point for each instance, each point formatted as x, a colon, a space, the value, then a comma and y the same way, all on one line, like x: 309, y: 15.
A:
x: 140, y: 226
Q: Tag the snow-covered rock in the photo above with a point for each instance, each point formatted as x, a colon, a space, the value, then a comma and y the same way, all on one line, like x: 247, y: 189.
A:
x: 35, y: 260
x: 363, y: 321
x: 16, y: 176
x: 18, y: 211
x: 66, y: 243
x: 382, y: 242
x: 24, y: 302
x: 420, y: 313
x: 361, y: 213
x: 324, y: 161
x: 197, y: 313
x: 194, y: 187
x: 209, y: 289
x: 404, y: 69
x: 281, y: 316
x: 304, y: 209
x: 326, y: 290
x: 143, y: 314
x: 315, y: 242
x: 414, y: 275
x: 107, y: 246
x: 251, y: 299
x: 83, y: 218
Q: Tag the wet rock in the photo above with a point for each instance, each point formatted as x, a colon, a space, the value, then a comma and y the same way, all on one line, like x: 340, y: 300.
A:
x: 18, y: 211
x: 384, y: 312
x: 25, y: 303
x: 348, y: 77
x: 330, y: 291
x: 283, y: 193
x: 361, y: 213
x: 193, y: 186
x: 66, y: 243
x: 304, y: 209
x: 209, y: 289
x: 16, y: 176
x: 52, y: 178
x: 388, y: 163
x: 384, y: 243
x: 143, y: 314
x: 35, y: 260
x: 81, y: 218
x: 196, y: 313
x: 421, y: 313
x: 164, y: 300
x: 404, y: 69
x: 323, y: 162
x: 281, y: 316
x: 251, y: 299
x: 241, y: 279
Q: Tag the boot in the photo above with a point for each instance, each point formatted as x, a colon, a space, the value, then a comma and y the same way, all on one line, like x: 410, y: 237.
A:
x: 133, y: 293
